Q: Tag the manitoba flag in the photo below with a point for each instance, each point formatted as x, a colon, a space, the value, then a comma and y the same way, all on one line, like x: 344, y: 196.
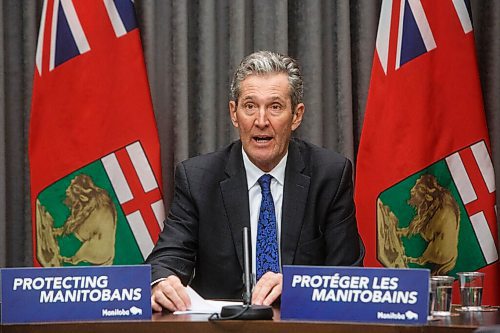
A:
x: 425, y: 186
x: 93, y: 148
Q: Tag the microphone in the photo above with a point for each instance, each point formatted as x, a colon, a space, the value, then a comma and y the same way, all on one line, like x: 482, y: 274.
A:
x: 247, y: 278
x: 247, y: 311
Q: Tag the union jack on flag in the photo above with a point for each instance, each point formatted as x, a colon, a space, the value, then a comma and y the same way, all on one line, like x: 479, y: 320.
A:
x: 415, y: 35
x: 67, y: 36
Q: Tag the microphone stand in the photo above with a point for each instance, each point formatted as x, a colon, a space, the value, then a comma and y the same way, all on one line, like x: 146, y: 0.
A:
x: 247, y: 311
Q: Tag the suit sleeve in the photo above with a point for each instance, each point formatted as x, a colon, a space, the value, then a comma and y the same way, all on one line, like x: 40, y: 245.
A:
x: 344, y: 246
x: 175, y: 251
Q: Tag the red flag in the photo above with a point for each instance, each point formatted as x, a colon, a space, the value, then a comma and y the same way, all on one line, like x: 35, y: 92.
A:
x: 425, y: 187
x: 94, y: 149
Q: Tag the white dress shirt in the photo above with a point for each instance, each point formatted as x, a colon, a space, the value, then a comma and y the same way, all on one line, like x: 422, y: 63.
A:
x: 255, y: 198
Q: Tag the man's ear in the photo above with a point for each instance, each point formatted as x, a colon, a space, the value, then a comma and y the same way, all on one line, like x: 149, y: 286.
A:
x: 297, y: 116
x: 232, y: 113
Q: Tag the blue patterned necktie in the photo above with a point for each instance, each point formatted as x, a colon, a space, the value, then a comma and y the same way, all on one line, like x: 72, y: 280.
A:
x: 267, y: 240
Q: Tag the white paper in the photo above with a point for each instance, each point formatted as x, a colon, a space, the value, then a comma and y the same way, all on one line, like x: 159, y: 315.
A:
x: 200, y: 305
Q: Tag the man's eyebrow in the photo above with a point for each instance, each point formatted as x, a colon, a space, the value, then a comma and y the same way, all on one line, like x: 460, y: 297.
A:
x: 272, y: 99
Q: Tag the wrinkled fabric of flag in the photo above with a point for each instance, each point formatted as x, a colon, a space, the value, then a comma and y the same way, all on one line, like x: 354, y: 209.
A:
x: 95, y: 170
x: 425, y: 185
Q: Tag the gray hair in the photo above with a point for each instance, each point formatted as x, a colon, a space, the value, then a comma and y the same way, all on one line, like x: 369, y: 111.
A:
x: 267, y: 62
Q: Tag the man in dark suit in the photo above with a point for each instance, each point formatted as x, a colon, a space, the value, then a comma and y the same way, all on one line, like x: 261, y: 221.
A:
x: 307, y: 206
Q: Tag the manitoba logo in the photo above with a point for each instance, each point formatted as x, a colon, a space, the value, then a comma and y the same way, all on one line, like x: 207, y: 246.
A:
x: 439, y: 217
x: 398, y: 315
x: 108, y: 212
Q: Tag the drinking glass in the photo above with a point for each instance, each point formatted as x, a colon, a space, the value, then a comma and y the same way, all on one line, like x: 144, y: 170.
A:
x: 441, y: 291
x: 471, y: 290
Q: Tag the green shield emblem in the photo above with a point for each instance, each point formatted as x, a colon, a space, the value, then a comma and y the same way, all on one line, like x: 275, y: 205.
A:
x: 81, y: 221
x: 423, y: 222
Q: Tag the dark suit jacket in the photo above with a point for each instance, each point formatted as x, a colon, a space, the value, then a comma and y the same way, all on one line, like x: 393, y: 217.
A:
x: 202, y: 239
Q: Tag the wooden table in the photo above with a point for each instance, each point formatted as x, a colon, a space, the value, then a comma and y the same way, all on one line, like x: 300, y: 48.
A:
x: 165, y: 323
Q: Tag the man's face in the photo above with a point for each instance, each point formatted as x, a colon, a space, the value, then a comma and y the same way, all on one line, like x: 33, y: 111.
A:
x: 265, y: 119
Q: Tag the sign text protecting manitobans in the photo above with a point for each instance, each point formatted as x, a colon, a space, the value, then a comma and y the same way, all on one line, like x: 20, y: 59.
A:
x: 77, y: 293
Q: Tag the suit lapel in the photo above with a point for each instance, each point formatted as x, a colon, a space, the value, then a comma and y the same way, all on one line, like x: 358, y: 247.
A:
x: 234, y: 191
x: 294, y: 203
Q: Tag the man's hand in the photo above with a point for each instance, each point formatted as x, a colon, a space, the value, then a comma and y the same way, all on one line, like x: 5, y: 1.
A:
x: 268, y: 289
x: 170, y: 294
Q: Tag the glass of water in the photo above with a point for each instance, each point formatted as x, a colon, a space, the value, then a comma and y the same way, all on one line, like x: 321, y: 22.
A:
x: 441, y: 291
x: 471, y: 290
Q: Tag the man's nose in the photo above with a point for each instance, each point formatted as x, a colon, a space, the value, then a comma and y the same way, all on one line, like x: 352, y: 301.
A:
x: 261, y: 120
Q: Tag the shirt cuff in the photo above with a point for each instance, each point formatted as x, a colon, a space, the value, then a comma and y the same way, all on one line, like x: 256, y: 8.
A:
x: 157, y: 281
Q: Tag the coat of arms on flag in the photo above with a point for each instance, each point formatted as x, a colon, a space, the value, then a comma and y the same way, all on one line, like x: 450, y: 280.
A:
x: 108, y: 212
x: 427, y: 219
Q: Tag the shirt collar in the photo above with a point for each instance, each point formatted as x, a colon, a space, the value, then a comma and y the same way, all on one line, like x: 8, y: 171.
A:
x: 254, y: 173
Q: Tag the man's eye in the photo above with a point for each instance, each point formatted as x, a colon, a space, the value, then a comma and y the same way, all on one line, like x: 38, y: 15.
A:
x: 276, y: 108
